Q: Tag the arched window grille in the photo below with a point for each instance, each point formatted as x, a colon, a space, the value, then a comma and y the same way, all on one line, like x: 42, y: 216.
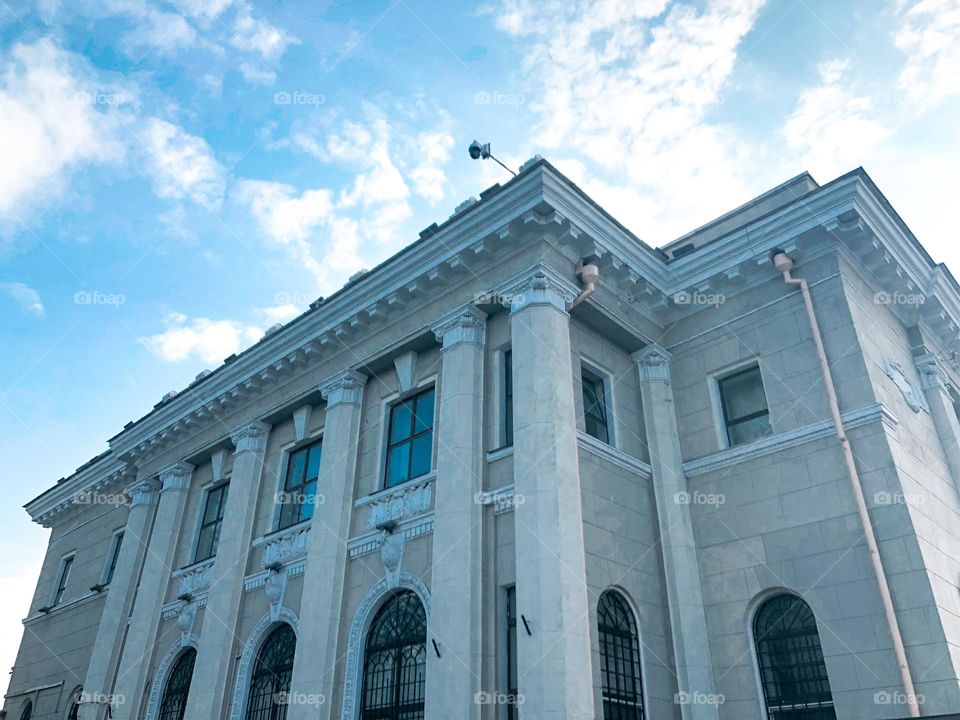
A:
x: 619, y: 659
x: 792, y: 670
x: 27, y: 711
x: 75, y: 704
x: 270, y: 682
x: 395, y: 659
x: 174, y: 703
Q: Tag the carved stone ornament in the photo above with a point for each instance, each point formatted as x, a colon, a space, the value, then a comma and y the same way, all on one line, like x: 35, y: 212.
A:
x: 653, y: 363
x: 399, y: 505
x: 250, y: 438
x: 196, y: 580
x: 466, y: 325
x: 391, y: 552
x: 346, y: 387
x: 913, y: 395
x: 284, y: 549
x: 932, y: 373
x: 275, y: 587
x: 185, y: 621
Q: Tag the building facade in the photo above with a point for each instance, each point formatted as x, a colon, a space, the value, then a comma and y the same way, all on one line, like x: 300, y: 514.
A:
x: 480, y: 483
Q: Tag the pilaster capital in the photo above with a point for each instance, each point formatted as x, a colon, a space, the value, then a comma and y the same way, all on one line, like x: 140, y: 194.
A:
x: 653, y: 364
x: 933, y: 374
x: 143, y: 491
x: 465, y: 325
x: 343, y: 388
x: 543, y: 286
x: 251, y: 437
x: 176, y: 476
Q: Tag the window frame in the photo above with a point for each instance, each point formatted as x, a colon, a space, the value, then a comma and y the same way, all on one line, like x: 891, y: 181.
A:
x: 113, y: 557
x: 63, y: 578
x: 720, y: 405
x: 603, y: 378
x: 212, y: 487
x: 286, y: 455
x: 389, y: 403
x: 506, y: 427
x: 509, y: 624
x: 634, y: 617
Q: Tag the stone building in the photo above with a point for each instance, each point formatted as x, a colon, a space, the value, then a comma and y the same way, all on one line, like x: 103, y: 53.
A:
x: 540, y: 496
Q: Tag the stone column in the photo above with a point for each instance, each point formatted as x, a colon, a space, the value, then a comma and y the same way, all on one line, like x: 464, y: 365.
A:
x: 936, y: 386
x: 157, y: 566
x: 553, y: 659
x: 314, y: 665
x: 455, y: 621
x: 684, y: 594
x: 214, y: 666
x: 98, y: 684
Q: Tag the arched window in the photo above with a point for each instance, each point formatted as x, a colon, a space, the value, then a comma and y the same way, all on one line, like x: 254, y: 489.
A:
x: 27, y: 711
x: 270, y: 681
x: 619, y: 659
x: 75, y: 696
x: 174, y: 702
x: 395, y: 660
x: 792, y: 671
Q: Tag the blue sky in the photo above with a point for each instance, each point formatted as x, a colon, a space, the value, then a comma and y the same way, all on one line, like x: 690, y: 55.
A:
x: 177, y: 177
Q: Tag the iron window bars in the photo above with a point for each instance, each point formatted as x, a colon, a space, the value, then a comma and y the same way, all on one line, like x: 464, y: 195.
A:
x: 174, y: 703
x: 622, y: 686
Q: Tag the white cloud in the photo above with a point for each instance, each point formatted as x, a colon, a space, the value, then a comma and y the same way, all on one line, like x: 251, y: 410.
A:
x: 257, y: 75
x: 433, y: 150
x: 182, y: 165
x: 25, y: 296
x: 278, y: 313
x: 210, y: 340
x: 627, y: 86
x: 165, y: 32
x: 832, y: 129
x: 254, y: 35
x: 930, y: 36
x: 54, y: 118
x: 203, y: 9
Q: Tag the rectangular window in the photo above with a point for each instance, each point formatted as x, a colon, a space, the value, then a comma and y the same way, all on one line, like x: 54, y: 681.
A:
x: 507, y: 398
x: 511, y: 617
x: 410, y: 439
x: 114, y: 556
x: 211, y: 522
x: 300, y: 485
x: 594, y: 406
x: 62, y: 580
x: 745, y: 414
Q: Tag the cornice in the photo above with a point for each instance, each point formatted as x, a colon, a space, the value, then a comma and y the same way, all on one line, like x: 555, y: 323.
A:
x: 106, y: 473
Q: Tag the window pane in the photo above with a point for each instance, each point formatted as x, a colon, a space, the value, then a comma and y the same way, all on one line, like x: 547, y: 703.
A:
x: 422, y: 452
x: 313, y: 466
x: 749, y: 430
x: 398, y: 463
x: 592, y: 396
x: 743, y: 394
x: 295, y: 469
x: 306, y: 499
x: 205, y: 544
x: 212, y: 509
x: 424, y: 412
x: 595, y: 428
x: 400, y: 417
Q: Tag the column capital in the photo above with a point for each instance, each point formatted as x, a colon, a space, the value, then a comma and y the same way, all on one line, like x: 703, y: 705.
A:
x: 653, y: 363
x: 344, y: 387
x: 933, y: 375
x: 250, y: 437
x: 466, y: 324
x: 176, y: 476
x: 143, y: 491
x: 543, y: 286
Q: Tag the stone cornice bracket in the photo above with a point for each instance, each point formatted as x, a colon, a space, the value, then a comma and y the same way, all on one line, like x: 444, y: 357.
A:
x: 544, y: 286
x: 143, y: 491
x: 345, y: 387
x: 653, y: 364
x: 466, y: 325
x: 176, y: 476
x: 932, y: 372
x: 251, y: 437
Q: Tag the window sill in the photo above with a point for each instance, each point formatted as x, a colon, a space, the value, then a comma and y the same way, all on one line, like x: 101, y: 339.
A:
x: 275, y: 535
x: 500, y: 453
x: 379, y: 495
x: 180, y: 572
